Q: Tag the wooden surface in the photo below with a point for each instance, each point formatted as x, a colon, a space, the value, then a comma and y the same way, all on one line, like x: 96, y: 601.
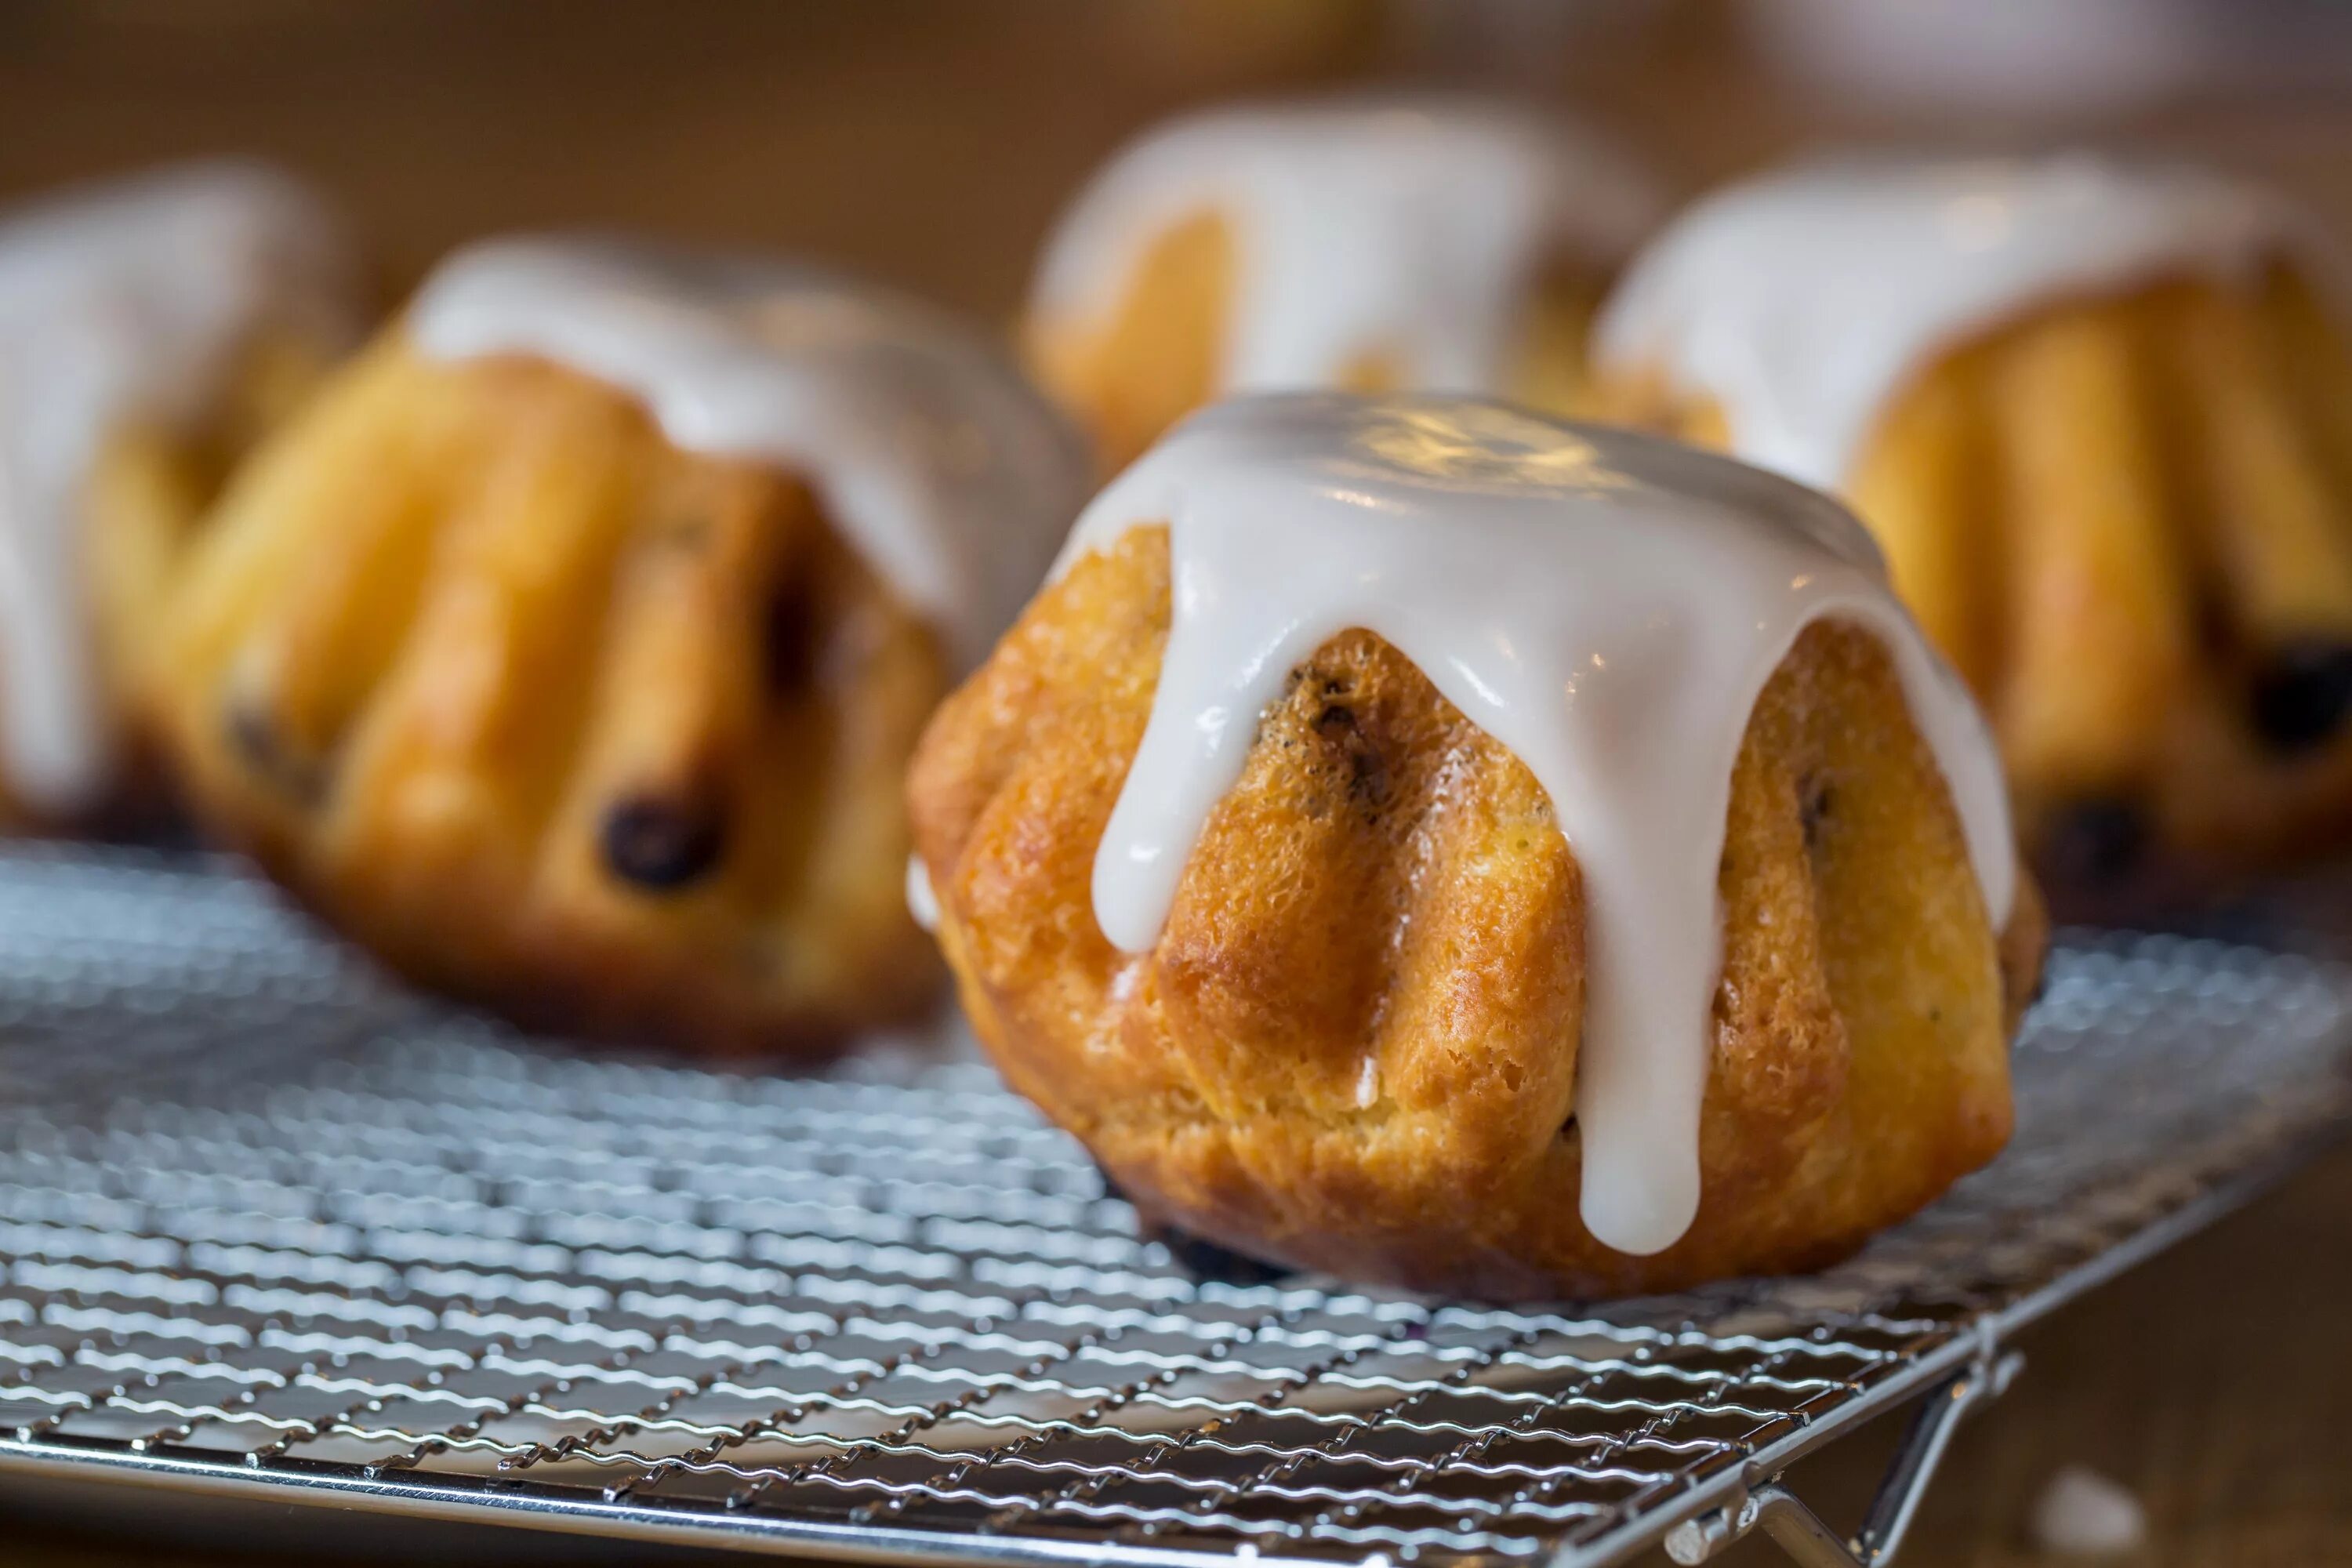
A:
x: 930, y: 143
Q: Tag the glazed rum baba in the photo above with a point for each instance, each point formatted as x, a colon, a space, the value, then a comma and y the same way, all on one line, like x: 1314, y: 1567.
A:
x: 568, y: 650
x: 1418, y: 839
x: 1431, y: 243
x: 150, y: 330
x: 2099, y: 417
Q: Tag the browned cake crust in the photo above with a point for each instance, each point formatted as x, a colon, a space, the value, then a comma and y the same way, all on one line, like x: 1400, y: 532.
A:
x: 2128, y: 521
x: 148, y: 493
x: 549, y: 714
x: 1157, y: 357
x: 1387, y: 881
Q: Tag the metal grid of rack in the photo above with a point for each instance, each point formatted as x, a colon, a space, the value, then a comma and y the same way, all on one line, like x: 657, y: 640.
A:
x: 270, y: 1226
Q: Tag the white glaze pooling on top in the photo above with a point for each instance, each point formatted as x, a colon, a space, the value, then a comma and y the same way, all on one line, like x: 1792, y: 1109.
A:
x: 1606, y: 605
x: 934, y: 460
x: 125, y: 303
x: 1800, y: 303
x: 1412, y: 230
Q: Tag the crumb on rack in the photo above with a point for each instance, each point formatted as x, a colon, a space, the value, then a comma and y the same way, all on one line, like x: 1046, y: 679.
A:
x: 2082, y: 1513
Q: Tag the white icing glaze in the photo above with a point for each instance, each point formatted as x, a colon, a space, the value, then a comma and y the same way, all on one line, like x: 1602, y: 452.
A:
x: 921, y: 903
x: 1802, y: 301
x: 1412, y: 228
x: 123, y: 302
x: 930, y: 452
x: 1606, y: 605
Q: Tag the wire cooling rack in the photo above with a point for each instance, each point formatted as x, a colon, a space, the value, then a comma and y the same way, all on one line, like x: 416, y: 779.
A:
x: 272, y: 1228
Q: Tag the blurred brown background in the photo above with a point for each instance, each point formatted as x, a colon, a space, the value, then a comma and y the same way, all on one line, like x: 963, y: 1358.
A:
x: 929, y: 143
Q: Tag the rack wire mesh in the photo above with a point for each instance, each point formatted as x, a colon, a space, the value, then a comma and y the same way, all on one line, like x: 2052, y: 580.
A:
x: 267, y: 1223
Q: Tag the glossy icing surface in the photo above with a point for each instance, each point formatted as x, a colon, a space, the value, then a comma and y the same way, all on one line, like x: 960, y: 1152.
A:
x: 122, y: 304
x: 921, y: 903
x: 1410, y: 229
x: 930, y: 454
x: 1606, y: 605
x: 1802, y: 302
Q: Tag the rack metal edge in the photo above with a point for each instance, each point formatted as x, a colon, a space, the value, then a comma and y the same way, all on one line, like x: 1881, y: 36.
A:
x: 2328, y: 1127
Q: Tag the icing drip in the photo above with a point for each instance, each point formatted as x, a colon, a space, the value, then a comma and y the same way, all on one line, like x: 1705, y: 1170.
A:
x: 930, y: 454
x: 1410, y: 229
x: 123, y: 303
x: 1802, y: 302
x: 921, y: 903
x: 1606, y: 605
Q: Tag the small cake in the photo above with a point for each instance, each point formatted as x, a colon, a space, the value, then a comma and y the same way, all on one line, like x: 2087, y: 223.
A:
x: 1421, y: 840
x: 2100, y: 418
x: 567, y: 650
x: 1431, y: 244
x: 150, y: 330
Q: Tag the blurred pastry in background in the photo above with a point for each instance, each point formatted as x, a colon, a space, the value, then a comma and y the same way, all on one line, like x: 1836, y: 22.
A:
x: 1958, y: 58
x: 1963, y: 61
x: 151, y: 329
x: 1432, y: 244
x: 1415, y: 839
x: 568, y: 648
x: 2100, y: 418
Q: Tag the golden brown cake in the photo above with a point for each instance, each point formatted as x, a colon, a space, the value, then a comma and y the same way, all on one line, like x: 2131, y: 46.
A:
x: 568, y: 649
x: 2100, y: 419
x: 150, y: 332
x: 1371, y: 245
x: 1450, y: 888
